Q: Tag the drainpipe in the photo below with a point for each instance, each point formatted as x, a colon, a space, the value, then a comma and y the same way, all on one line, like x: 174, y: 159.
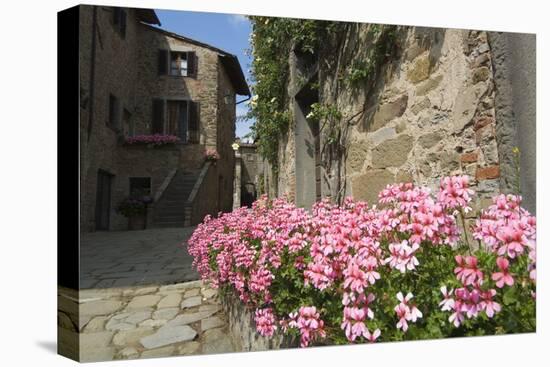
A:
x: 92, y: 72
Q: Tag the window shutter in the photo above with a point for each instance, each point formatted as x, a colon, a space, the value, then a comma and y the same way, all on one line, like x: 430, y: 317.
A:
x: 194, y: 122
x: 123, y: 23
x: 157, y: 126
x: 116, y: 16
x: 192, y: 64
x: 163, y: 62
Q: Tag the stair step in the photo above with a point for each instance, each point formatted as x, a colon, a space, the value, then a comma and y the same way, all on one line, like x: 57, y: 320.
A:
x: 169, y: 225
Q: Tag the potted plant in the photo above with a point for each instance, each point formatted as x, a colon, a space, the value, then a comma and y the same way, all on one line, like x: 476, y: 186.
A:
x: 135, y: 209
x: 212, y: 155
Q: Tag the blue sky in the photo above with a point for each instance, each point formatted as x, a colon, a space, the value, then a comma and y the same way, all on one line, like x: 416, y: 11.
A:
x: 230, y: 32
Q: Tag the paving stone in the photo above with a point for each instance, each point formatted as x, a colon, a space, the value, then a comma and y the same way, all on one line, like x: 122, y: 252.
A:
x: 168, y: 335
x: 209, y: 293
x: 96, y: 354
x: 191, y: 302
x: 216, y: 341
x: 159, y: 352
x: 189, y: 318
x: 128, y: 353
x: 129, y: 337
x: 211, y: 322
x: 189, y: 348
x: 172, y: 300
x: 143, y: 302
x: 103, y: 307
x: 192, y: 293
x: 166, y: 313
x: 210, y: 308
x: 65, y: 321
x: 153, y: 323
x: 96, y: 324
x: 138, y: 317
x: 95, y: 340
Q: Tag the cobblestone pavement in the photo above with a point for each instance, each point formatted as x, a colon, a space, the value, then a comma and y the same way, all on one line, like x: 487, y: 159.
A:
x: 130, y: 258
x: 142, y: 322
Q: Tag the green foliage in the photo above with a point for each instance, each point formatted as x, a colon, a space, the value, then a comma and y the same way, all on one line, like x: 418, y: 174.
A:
x: 271, y: 41
x: 364, y: 70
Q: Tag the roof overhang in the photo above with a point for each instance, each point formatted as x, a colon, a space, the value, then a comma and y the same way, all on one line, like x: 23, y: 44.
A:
x: 236, y: 75
x: 147, y: 16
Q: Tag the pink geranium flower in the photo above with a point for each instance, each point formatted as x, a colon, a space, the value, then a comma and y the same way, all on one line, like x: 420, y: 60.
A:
x: 503, y: 276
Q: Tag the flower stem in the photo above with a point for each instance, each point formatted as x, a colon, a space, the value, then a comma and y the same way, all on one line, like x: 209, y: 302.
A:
x: 465, y: 231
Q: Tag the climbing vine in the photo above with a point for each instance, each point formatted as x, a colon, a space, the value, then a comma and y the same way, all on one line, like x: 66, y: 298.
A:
x: 271, y: 42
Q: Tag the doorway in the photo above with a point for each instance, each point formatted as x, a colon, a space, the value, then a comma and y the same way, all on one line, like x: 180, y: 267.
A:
x: 308, y: 149
x: 103, y: 200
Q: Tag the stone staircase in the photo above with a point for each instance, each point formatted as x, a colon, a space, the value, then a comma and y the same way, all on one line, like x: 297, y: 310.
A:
x: 170, y: 210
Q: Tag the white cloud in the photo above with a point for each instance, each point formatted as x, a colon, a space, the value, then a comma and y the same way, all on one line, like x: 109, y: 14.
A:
x: 238, y: 19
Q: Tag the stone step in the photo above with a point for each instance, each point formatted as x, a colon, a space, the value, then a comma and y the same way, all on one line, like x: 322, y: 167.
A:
x: 169, y: 224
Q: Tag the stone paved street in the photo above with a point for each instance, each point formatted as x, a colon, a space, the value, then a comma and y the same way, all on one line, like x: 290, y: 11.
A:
x: 142, y: 322
x: 130, y: 258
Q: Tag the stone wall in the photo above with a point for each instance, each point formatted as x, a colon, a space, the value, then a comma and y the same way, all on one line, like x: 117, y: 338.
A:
x: 226, y: 119
x: 127, y: 67
x: 115, y: 73
x: 243, y: 329
x: 430, y: 113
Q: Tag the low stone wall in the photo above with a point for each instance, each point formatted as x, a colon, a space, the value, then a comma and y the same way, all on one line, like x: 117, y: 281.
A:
x: 243, y: 329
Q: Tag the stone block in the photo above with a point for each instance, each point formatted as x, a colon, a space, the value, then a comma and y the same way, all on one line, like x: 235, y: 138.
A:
x: 168, y: 335
x: 357, y: 154
x: 465, y: 104
x: 419, y: 69
x: 393, y: 152
x: 389, y: 111
x: 469, y: 157
x: 485, y: 173
x: 480, y: 74
x: 430, y: 139
x: 483, y: 121
x: 421, y: 105
x: 427, y: 86
x: 367, y: 186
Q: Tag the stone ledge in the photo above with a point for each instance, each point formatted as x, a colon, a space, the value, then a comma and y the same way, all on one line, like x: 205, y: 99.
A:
x: 242, y: 328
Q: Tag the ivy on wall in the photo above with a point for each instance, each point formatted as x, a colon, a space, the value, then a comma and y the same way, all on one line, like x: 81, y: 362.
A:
x: 272, y: 40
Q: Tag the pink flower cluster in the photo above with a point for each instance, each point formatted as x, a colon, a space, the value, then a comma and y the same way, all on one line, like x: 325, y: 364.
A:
x: 508, y: 229
x: 265, y: 321
x: 470, y: 299
x: 345, y: 251
x: 406, y: 311
x: 155, y: 140
x: 211, y: 154
x: 307, y: 320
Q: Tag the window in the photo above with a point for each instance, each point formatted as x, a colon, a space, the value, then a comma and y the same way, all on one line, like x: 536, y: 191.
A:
x: 177, y: 63
x: 119, y: 20
x: 114, y: 112
x: 140, y: 187
x: 177, y: 117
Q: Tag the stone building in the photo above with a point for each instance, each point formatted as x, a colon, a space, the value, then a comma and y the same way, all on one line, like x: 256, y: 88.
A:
x: 139, y: 80
x: 251, y: 170
x: 444, y: 101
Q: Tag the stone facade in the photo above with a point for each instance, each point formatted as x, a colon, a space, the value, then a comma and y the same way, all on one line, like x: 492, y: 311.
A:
x: 251, y: 171
x: 429, y: 113
x: 124, y: 64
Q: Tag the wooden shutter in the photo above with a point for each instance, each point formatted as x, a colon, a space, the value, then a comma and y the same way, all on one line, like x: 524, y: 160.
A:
x: 163, y: 62
x: 157, y: 126
x: 192, y: 64
x: 194, y: 121
x: 116, y: 16
x: 123, y: 23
